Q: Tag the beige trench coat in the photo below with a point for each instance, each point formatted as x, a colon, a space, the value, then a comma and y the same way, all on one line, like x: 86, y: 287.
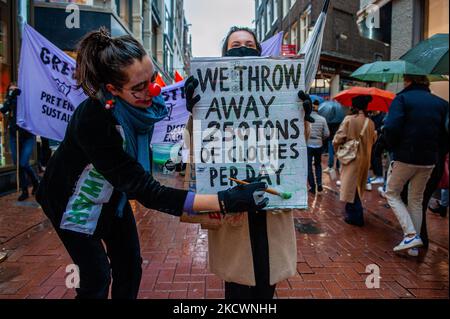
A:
x: 354, y: 175
x: 229, y: 248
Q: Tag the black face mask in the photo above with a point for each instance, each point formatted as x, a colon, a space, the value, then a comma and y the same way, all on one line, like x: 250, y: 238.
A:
x: 242, y: 51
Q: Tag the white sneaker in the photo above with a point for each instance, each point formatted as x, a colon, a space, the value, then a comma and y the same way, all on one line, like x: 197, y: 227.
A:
x: 377, y: 180
x: 408, y: 242
x: 413, y: 252
x: 338, y: 183
x: 381, y: 191
x: 368, y: 187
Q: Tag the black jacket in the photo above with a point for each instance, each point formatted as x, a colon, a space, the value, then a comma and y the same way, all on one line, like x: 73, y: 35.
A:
x: 92, y: 138
x: 414, y: 128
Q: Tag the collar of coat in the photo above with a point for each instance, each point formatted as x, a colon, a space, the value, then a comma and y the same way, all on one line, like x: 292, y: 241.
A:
x: 415, y: 87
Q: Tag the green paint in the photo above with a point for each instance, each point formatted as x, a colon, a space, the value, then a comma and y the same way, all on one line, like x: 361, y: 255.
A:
x: 79, y: 218
x: 285, y: 195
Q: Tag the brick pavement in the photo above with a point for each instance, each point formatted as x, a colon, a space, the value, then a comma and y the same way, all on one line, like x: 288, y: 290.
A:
x: 332, y: 256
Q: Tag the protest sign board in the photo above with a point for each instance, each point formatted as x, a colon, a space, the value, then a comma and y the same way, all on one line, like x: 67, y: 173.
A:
x: 249, y: 123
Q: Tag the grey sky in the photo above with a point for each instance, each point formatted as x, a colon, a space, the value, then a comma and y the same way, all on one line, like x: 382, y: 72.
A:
x: 211, y: 20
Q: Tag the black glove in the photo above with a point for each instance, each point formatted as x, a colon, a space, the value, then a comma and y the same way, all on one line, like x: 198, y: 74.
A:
x: 307, y: 106
x: 243, y: 198
x: 189, y: 88
x: 173, y: 166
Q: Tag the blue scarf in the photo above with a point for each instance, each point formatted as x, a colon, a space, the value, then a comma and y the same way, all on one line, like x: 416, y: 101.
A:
x: 137, y: 125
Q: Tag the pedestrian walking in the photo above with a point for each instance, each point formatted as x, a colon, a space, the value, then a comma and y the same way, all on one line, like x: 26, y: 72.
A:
x: 359, y: 128
x: 414, y: 130
x: 319, y: 133
x: 21, y: 143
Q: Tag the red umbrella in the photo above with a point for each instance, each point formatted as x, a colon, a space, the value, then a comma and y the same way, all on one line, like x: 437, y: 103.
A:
x: 381, y: 99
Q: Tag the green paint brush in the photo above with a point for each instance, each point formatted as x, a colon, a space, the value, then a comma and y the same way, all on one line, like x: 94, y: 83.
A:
x: 268, y: 190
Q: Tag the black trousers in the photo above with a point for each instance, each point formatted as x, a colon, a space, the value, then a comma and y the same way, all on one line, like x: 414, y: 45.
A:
x: 432, y: 186
x: 260, y: 250
x: 354, y: 210
x: 377, y: 162
x: 113, y: 252
x: 314, y: 155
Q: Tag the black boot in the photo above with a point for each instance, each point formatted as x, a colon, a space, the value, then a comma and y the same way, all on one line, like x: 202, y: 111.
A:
x: 23, y: 196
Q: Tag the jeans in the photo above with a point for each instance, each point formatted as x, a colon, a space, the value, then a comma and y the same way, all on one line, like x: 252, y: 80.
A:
x: 444, y: 197
x: 354, y: 210
x: 316, y: 155
x: 410, y: 217
x: 121, y: 259
x: 25, y: 151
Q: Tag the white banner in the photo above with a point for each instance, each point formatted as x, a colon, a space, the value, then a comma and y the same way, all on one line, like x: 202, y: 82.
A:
x: 170, y: 129
x: 249, y: 123
x: 49, y: 96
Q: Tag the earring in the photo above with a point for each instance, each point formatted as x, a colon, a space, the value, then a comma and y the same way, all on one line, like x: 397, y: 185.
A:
x: 109, y: 104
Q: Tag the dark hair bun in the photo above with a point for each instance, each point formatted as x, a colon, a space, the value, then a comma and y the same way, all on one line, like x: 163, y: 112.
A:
x: 103, y: 37
x: 361, y: 102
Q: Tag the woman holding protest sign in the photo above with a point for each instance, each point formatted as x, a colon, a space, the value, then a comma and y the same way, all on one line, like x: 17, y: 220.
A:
x: 104, y: 161
x: 251, y: 252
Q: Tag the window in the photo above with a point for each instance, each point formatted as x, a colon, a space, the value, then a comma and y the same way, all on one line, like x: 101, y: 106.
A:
x: 124, y: 10
x: 275, y: 11
x: 263, y: 27
x: 304, y: 27
x: 286, y: 38
x: 269, y: 14
x: 168, y: 26
x: 294, y: 32
x: 286, y: 7
x: 5, y: 73
x: 259, y: 27
x: 168, y: 59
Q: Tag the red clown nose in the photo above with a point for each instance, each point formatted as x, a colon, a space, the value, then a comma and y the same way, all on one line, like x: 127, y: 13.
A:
x: 154, y: 89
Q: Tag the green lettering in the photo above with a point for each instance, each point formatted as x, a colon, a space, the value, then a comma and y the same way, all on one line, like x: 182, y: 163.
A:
x: 78, y: 217
x: 92, y: 188
x: 93, y: 173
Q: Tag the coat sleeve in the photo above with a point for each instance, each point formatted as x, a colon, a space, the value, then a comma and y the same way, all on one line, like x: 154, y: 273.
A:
x: 341, y: 135
x: 393, y: 124
x: 102, y: 145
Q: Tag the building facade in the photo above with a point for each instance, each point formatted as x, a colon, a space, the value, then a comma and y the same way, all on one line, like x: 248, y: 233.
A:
x: 404, y: 24
x: 160, y: 25
x: 343, y: 49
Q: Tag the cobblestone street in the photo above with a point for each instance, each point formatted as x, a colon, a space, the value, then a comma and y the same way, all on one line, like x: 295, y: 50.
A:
x: 332, y: 256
